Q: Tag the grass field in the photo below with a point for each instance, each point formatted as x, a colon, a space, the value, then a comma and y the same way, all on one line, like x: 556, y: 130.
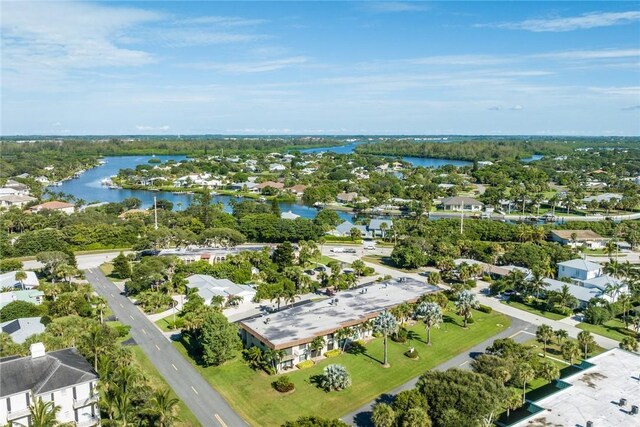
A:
x: 386, y: 262
x: 164, y: 323
x: 187, y: 419
x: 252, y: 396
x: 533, y: 310
x: 613, y: 329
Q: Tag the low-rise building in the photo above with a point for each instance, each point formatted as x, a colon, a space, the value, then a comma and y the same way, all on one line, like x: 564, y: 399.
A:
x: 579, y: 269
x: 8, y: 280
x: 604, y: 197
x: 460, y: 204
x: 586, y: 238
x: 378, y: 227
x: 33, y: 296
x: 293, y: 329
x: 21, y: 329
x: 344, y: 230
x: 64, y: 207
x: 17, y: 200
x: 270, y: 184
x: 298, y: 190
x: 63, y: 377
x: 208, y: 287
x: 18, y: 186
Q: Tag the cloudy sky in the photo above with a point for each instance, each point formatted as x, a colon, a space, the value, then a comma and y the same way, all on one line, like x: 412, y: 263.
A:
x: 564, y: 68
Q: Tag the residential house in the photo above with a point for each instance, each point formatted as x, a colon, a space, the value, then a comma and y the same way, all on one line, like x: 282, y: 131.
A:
x: 377, y: 228
x: 245, y: 186
x: 63, y: 377
x: 579, y: 269
x: 277, y: 167
x: 351, y: 198
x: 344, y: 230
x: 43, y: 180
x: 33, y: 296
x: 289, y: 215
x: 21, y: 329
x: 298, y: 190
x: 604, y: 197
x: 270, y: 184
x: 582, y: 294
x: 8, y: 280
x: 208, y: 287
x: 585, y: 238
x: 65, y: 207
x: 17, y: 200
x: 293, y: 329
x: 18, y: 186
x: 461, y: 203
x: 210, y: 255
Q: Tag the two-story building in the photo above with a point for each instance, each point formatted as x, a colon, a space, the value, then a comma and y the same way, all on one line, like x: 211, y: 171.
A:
x: 63, y: 377
x: 579, y: 269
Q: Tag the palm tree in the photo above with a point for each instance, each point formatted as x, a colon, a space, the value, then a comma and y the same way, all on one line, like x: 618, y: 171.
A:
x: 254, y: 356
x: 431, y: 315
x: 343, y: 335
x: 513, y: 402
x: 465, y: 303
x: 21, y: 276
x: 386, y: 325
x: 162, y: 406
x: 564, y: 297
x: 544, y: 334
x: 537, y: 283
x: 317, y: 345
x: 525, y: 373
x: 101, y: 305
x: 586, y: 341
x: 43, y: 414
x: 383, y: 416
x: 96, y: 341
x: 548, y: 371
x: 570, y: 350
x: 561, y: 335
x: 383, y: 228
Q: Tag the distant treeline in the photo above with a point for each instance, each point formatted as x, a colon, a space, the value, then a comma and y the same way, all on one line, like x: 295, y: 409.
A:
x: 492, y: 150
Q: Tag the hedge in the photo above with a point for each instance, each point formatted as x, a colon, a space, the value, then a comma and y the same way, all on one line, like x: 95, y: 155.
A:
x: 305, y: 364
x: 333, y: 353
x: 485, y: 308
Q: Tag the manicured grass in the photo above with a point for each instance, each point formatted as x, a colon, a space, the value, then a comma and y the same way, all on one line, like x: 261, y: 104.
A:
x: 533, y: 310
x: 252, y: 396
x: 323, y: 259
x: 156, y: 380
x: 106, y: 268
x: 613, y: 329
x: 165, y: 323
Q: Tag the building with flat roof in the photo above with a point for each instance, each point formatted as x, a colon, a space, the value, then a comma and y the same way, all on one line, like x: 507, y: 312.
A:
x: 593, y: 394
x: 33, y: 296
x: 8, y: 280
x: 461, y: 203
x: 208, y: 287
x: 293, y: 329
x: 21, y: 329
x: 586, y: 238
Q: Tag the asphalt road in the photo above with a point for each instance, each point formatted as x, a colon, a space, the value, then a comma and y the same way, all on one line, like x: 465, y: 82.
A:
x: 519, y: 330
x: 205, y: 403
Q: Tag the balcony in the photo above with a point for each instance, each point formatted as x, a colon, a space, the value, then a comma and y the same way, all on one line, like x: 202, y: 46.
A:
x: 19, y: 413
x: 88, y: 422
x: 80, y: 403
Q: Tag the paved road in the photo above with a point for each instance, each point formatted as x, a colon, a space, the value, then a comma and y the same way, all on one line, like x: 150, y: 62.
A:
x: 205, y: 403
x: 519, y: 330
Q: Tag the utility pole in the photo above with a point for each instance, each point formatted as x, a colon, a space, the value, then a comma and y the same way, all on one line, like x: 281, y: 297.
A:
x: 155, y: 212
x: 462, y: 220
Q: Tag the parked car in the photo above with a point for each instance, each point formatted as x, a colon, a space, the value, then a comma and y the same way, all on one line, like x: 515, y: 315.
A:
x: 320, y: 268
x: 310, y: 272
x: 349, y: 251
x: 337, y: 250
x: 370, y: 248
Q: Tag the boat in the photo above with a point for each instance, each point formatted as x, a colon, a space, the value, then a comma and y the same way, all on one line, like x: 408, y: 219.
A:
x: 179, y: 192
x: 114, y: 187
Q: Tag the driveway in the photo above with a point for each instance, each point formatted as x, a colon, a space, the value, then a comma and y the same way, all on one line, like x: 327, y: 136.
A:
x: 519, y: 330
x: 205, y: 403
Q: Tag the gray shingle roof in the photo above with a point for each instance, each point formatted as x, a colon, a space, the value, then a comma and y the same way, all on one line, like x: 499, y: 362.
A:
x: 581, y: 264
x: 53, y: 371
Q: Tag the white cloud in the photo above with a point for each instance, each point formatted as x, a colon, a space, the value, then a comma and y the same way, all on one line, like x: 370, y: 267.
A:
x: 145, y: 128
x: 187, y: 37
x: 227, y: 21
x: 586, y: 21
x: 251, y: 67
x: 592, y: 54
x: 394, y: 7
x: 459, y: 60
x: 615, y: 90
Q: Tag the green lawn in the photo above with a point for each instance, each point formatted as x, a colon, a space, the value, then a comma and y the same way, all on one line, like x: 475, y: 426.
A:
x: 157, y: 381
x: 251, y: 394
x: 386, y: 262
x: 613, y: 329
x: 323, y: 259
x: 164, y: 323
x: 533, y: 310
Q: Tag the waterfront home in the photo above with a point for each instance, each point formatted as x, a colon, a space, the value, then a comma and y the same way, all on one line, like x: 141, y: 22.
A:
x: 461, y: 203
x: 298, y: 190
x: 64, y: 207
x: 63, y: 377
x: 344, y: 230
x: 293, y: 329
x: 17, y: 200
x: 270, y: 184
x: 352, y: 197
x: 377, y: 228
x: 574, y: 238
x: 604, y: 197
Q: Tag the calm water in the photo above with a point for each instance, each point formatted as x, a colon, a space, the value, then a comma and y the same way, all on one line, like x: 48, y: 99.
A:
x: 89, y: 188
x: 425, y: 162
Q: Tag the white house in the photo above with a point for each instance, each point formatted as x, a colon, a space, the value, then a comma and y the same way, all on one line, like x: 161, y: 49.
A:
x: 33, y: 296
x: 8, y: 280
x: 64, y: 207
x: 18, y: 186
x: 18, y: 200
x: 63, y: 377
x: 21, y: 329
x: 586, y: 238
x: 208, y: 287
x: 579, y: 269
x: 461, y: 204
x: 277, y: 167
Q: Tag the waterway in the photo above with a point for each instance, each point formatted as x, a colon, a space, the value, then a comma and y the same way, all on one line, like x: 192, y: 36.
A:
x: 89, y: 185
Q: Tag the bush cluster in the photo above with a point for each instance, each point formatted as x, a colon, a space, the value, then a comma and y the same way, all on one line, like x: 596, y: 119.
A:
x: 485, y: 308
x: 332, y: 353
x: 412, y: 354
x: 283, y: 384
x: 305, y: 364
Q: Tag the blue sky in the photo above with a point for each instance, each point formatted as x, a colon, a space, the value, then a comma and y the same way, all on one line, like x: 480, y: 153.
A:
x: 560, y: 68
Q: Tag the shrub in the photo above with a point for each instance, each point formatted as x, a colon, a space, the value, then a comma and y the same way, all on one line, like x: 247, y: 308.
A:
x: 336, y: 378
x: 122, y: 330
x: 565, y: 311
x: 470, y: 321
x: 400, y: 336
x: 487, y: 278
x: 485, y: 308
x: 332, y: 353
x: 412, y: 354
x: 305, y: 364
x: 283, y: 384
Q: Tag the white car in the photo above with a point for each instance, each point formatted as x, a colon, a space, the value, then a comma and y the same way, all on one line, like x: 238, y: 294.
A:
x: 337, y: 250
x: 370, y: 248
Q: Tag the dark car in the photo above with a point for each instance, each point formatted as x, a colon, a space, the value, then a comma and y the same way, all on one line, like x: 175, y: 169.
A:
x: 310, y: 272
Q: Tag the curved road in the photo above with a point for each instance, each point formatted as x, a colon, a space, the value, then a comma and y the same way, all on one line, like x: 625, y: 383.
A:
x: 205, y: 403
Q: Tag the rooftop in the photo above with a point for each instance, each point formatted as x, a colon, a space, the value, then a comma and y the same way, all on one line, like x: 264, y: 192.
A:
x: 23, y: 328
x: 582, y: 293
x: 579, y: 234
x: 209, y: 286
x: 458, y: 200
x: 594, y: 393
x: 8, y: 280
x: 52, y: 205
x: 28, y: 296
x: 302, y: 323
x: 581, y: 264
x: 53, y: 371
